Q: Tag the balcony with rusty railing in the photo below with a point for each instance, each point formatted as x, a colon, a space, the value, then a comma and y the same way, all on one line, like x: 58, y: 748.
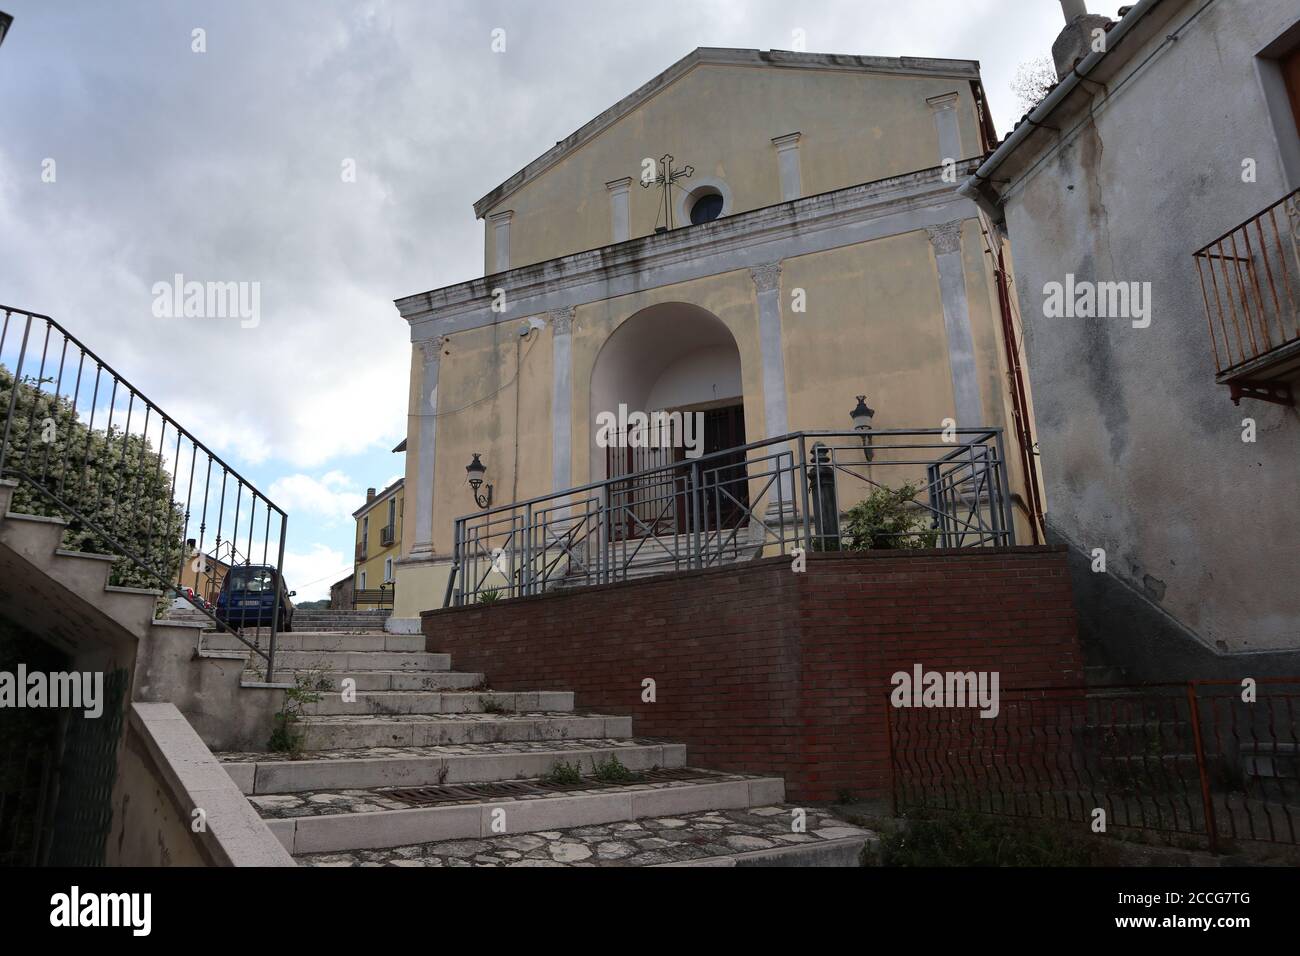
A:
x: 1250, y: 283
x: 387, y: 535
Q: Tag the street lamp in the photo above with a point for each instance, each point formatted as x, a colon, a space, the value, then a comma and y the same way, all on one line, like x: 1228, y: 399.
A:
x: 474, y: 473
x: 862, y: 415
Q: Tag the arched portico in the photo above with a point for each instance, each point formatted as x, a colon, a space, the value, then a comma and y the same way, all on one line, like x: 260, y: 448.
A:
x: 669, y: 357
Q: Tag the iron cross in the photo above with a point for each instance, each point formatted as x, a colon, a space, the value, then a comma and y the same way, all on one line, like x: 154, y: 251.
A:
x: 666, y: 179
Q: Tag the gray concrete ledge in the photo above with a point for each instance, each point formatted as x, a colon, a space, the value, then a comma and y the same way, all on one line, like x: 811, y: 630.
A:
x: 234, y: 834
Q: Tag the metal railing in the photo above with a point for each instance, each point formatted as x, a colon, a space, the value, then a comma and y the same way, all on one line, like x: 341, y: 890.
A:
x: 1250, y: 284
x: 87, y: 446
x: 387, y: 534
x: 380, y: 596
x: 1196, y: 758
x: 763, y: 498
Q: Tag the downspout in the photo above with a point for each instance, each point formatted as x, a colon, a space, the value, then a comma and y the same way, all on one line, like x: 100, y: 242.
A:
x: 980, y: 189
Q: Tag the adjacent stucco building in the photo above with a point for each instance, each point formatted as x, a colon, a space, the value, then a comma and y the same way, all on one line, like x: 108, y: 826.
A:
x: 1167, y: 131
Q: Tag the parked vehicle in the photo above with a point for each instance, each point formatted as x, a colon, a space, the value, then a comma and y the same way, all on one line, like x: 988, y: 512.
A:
x: 247, y: 598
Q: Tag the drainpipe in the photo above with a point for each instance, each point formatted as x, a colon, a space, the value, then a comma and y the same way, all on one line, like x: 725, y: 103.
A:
x: 979, y: 188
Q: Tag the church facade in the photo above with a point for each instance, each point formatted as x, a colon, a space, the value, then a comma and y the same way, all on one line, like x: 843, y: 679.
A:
x: 817, y: 251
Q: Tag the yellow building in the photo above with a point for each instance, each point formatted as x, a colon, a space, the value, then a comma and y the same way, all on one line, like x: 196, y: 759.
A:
x: 811, y: 248
x: 378, y: 546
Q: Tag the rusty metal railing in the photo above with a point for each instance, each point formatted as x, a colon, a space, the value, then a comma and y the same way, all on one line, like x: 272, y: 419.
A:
x: 1197, y: 759
x: 1250, y: 284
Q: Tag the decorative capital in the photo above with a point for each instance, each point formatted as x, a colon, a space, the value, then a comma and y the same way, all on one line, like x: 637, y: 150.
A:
x: 946, y: 237
x: 767, y: 278
x: 619, y: 186
x: 788, y: 141
x: 562, y: 320
x: 945, y: 101
x: 432, y: 349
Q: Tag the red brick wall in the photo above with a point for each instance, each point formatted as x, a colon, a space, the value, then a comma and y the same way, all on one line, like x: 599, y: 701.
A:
x: 767, y: 671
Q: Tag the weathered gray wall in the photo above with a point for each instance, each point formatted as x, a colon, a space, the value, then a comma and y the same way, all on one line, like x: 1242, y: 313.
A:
x: 1141, y: 451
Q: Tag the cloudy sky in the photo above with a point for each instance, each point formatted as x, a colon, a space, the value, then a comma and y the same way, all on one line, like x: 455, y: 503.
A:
x: 226, y: 165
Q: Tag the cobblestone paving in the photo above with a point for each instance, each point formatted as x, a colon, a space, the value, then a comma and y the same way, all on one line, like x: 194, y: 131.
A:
x: 692, y: 836
x: 316, y: 803
x: 443, y: 750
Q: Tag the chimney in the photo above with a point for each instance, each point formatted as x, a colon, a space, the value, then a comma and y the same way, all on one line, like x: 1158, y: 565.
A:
x: 1075, y: 41
x: 370, y: 495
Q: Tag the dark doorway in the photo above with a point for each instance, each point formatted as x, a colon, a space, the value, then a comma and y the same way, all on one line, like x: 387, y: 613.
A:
x: 662, y: 503
x: 723, y: 480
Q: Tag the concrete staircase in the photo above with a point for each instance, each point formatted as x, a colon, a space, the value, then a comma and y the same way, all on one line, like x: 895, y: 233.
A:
x: 430, y: 767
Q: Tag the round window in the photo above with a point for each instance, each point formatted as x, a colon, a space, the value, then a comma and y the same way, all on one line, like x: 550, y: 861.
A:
x: 706, y: 208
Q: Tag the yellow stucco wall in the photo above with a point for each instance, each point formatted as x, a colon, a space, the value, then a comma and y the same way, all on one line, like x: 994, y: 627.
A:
x: 370, y: 533
x: 856, y: 128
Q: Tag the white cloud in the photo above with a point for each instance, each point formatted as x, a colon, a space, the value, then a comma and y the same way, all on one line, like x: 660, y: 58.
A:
x: 312, y: 573
x: 332, y: 496
x: 230, y: 171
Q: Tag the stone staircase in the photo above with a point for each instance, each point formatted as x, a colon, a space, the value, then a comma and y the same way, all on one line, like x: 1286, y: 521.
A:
x: 328, y: 620
x: 430, y: 767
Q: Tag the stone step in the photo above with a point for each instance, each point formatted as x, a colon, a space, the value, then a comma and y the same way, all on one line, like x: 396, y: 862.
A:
x: 392, y: 680
x: 303, y: 640
x: 755, y: 836
x: 374, y: 767
x: 445, y: 702
x: 335, y: 732
x: 337, y: 662
x: 330, y: 821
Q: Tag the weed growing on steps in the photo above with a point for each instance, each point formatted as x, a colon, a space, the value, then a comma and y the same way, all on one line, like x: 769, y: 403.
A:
x: 491, y: 705
x: 563, y: 774
x: 308, y: 687
x: 612, y: 770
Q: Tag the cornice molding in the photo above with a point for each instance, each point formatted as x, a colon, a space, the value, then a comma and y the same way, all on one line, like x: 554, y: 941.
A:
x: 804, y: 217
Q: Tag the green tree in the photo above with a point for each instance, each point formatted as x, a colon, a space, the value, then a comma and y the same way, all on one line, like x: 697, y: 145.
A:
x: 115, y: 487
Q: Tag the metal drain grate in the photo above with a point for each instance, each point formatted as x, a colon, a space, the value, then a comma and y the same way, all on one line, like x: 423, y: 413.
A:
x: 508, y: 789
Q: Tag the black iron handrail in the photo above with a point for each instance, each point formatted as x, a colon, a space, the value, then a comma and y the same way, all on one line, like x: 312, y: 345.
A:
x: 140, y: 489
x: 772, y: 495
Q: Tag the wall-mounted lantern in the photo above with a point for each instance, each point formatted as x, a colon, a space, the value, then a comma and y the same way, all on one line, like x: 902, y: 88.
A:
x: 862, y: 415
x: 474, y: 473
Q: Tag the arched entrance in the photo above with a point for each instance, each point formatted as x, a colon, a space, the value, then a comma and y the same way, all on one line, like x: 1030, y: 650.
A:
x: 677, y: 365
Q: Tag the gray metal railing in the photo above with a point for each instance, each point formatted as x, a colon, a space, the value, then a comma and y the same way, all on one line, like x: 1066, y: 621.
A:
x: 922, y: 488
x: 86, y: 445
